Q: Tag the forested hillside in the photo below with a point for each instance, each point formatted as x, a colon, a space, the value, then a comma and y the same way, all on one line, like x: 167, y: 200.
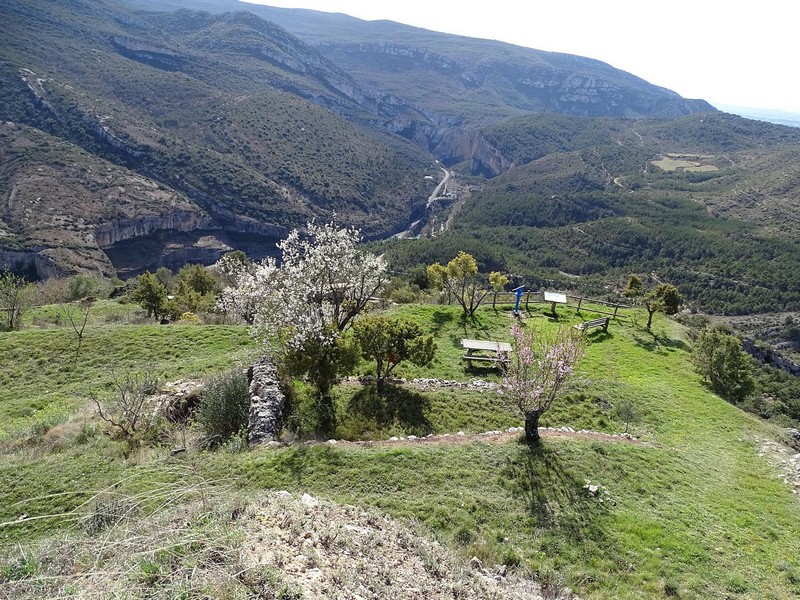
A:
x: 257, y: 130
x: 707, y: 202
x: 153, y: 139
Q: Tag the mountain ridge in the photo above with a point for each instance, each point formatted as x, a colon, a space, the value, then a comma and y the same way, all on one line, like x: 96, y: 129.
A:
x: 259, y: 131
x: 158, y: 106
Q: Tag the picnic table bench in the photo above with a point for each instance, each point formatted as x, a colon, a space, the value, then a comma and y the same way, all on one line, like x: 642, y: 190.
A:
x: 601, y: 322
x: 485, y: 351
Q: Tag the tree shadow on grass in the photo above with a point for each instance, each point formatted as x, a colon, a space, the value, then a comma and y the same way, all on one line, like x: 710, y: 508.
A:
x: 473, y: 327
x: 553, y: 494
x: 307, y: 461
x: 440, y: 319
x: 651, y: 342
x: 394, y: 405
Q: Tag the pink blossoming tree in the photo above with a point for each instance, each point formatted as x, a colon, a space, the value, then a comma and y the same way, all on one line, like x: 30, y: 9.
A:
x: 540, y: 366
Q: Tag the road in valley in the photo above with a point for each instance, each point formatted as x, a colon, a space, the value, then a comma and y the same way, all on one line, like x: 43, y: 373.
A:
x: 442, y: 186
x: 416, y: 226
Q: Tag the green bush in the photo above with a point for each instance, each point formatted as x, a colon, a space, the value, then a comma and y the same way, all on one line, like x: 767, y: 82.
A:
x: 403, y: 296
x: 224, y: 406
x: 718, y: 356
x: 83, y: 286
x: 190, y: 317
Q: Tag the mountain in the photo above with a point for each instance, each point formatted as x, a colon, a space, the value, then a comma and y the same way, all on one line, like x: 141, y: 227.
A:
x: 706, y: 201
x: 134, y: 139
x: 254, y: 130
x: 461, y: 84
x: 466, y: 80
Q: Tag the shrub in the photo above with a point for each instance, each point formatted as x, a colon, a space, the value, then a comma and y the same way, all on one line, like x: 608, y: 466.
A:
x: 224, y: 406
x: 132, y: 411
x: 403, y: 296
x: 106, y: 513
x: 83, y: 286
x: 16, y: 296
x: 723, y: 364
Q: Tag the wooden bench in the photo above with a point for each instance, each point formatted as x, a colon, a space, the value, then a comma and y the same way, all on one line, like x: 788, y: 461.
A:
x: 601, y: 322
x: 491, y: 352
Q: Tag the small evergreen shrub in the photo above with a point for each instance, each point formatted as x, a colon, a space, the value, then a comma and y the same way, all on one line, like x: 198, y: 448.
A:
x: 224, y: 406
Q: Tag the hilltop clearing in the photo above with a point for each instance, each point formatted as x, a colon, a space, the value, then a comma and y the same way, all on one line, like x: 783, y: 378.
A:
x: 692, y: 509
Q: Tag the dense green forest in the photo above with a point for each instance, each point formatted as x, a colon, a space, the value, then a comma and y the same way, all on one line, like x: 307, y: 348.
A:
x: 586, y: 205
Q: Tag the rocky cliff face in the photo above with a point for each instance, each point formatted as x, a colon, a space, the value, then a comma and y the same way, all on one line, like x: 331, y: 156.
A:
x: 147, y: 52
x: 771, y: 357
x: 113, y: 232
x: 453, y: 145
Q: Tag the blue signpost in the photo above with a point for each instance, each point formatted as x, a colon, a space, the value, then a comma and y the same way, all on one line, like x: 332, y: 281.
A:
x: 519, y: 292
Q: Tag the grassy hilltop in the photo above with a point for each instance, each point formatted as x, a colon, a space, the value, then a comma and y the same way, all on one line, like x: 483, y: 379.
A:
x: 690, y: 510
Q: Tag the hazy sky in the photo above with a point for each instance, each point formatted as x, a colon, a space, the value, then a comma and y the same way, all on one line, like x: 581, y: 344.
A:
x: 735, y: 54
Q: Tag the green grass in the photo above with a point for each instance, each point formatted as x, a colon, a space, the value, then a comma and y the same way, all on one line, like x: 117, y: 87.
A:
x: 101, y: 312
x: 42, y: 377
x: 690, y: 510
x: 684, y: 162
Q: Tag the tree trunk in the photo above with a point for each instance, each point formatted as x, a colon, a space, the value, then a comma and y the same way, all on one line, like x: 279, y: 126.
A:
x: 532, y: 428
x: 649, y: 319
x: 326, y: 414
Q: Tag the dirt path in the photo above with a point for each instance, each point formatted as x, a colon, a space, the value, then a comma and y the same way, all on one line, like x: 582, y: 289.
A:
x: 488, y: 437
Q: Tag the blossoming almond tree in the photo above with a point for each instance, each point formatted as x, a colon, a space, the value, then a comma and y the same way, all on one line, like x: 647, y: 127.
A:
x: 300, y: 307
x: 540, y: 366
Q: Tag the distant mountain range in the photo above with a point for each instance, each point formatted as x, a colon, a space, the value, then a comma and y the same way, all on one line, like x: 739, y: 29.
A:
x: 133, y: 138
x: 779, y: 117
x: 246, y: 130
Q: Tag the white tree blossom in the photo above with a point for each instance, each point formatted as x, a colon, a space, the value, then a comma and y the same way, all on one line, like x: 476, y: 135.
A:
x: 322, y: 283
x: 248, y: 289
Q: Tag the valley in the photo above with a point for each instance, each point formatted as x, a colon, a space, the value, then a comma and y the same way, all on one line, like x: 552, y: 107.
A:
x: 194, y: 193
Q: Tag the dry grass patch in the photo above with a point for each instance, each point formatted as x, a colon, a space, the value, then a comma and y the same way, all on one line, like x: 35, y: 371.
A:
x: 672, y: 161
x: 222, y: 546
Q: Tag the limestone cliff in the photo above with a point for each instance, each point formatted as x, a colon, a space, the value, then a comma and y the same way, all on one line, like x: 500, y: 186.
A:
x: 116, y: 231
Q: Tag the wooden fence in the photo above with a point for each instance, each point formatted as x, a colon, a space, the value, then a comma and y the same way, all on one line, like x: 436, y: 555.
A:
x: 576, y: 302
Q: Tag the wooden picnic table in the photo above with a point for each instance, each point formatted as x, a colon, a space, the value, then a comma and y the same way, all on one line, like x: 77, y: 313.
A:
x: 485, y: 351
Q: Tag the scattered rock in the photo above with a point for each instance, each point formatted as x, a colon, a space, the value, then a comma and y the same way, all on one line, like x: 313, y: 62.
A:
x: 333, y: 550
x: 180, y: 399
x: 785, y: 460
x: 430, y: 383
